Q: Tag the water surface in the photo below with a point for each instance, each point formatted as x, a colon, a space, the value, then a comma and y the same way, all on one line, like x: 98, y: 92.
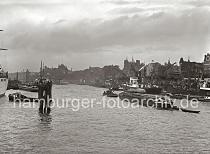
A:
x: 101, y: 130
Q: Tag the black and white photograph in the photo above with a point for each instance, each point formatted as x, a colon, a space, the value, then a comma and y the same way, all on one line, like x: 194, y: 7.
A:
x: 104, y: 76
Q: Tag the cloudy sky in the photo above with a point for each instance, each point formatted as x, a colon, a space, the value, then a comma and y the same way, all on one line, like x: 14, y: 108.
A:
x: 83, y: 33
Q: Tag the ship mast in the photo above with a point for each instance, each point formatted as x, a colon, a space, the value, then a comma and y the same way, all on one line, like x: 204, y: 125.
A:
x: 41, y: 71
x: 2, y: 49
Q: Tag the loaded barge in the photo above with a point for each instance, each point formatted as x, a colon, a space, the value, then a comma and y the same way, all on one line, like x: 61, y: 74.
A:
x: 149, y: 100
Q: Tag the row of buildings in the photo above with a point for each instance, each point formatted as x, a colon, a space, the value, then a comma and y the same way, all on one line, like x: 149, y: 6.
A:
x: 185, y: 69
x: 96, y: 76
x: 24, y: 76
x: 110, y: 74
x: 56, y: 74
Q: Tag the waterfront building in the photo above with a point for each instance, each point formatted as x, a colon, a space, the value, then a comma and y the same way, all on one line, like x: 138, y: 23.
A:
x: 27, y: 76
x: 112, y: 72
x: 172, y: 71
x: 206, y: 65
x: 24, y: 76
x: 92, y: 76
x: 57, y: 75
x: 131, y: 68
x: 191, y: 69
x: 153, y: 70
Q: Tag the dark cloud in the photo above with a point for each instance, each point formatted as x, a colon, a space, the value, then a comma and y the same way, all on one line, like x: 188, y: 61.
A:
x: 32, y: 2
x: 159, y: 34
x: 194, y: 3
x: 122, y: 2
x: 199, y: 3
x: 126, y: 10
x: 88, y: 35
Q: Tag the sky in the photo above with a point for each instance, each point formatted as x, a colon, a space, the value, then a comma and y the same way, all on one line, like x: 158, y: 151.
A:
x: 83, y: 33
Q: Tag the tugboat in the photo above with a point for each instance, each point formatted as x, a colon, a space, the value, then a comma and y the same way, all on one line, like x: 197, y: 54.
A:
x: 133, y: 83
x: 133, y: 86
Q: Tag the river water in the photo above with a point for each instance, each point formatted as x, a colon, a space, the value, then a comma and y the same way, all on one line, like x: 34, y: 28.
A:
x: 101, y: 129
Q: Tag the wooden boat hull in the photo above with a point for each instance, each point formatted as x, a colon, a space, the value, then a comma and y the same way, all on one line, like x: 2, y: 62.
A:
x: 109, y: 94
x: 136, y: 90
x: 21, y: 98
x: 29, y: 88
x: 113, y: 95
x: 153, y: 90
x: 190, y: 111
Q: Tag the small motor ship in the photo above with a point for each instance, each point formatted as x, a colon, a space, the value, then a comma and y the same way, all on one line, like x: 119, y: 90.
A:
x: 133, y: 84
x: 110, y: 93
x: 20, y: 97
x: 28, y: 88
x: 206, y: 99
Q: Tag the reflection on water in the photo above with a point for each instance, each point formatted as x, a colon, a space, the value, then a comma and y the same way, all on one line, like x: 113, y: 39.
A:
x: 45, y: 122
x: 45, y: 118
x: 102, y: 130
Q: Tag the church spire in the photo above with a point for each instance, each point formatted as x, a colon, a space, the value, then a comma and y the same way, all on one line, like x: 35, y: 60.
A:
x: 132, y: 59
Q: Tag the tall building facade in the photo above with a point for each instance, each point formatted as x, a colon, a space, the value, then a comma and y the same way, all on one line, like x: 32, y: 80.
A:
x: 131, y: 68
x: 206, y: 65
x: 191, y: 69
x: 153, y: 69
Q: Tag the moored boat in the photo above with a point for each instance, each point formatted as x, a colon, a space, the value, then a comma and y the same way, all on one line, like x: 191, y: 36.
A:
x: 28, y: 88
x: 110, y: 93
x: 133, y: 83
x: 153, y: 90
x: 190, y: 111
x: 149, y: 100
x: 15, y: 97
x: 139, y: 90
x: 206, y: 99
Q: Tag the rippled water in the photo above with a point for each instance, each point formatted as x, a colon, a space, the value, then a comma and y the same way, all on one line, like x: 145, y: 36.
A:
x: 102, y: 130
